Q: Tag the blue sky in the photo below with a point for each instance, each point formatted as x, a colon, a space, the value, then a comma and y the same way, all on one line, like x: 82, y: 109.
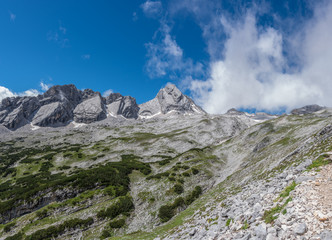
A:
x: 246, y: 54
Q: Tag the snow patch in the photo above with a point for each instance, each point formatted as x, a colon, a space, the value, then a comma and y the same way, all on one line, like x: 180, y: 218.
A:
x: 34, y: 127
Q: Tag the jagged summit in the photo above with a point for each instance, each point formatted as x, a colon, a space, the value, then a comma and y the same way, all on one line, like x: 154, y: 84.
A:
x: 169, y: 99
x: 61, y: 105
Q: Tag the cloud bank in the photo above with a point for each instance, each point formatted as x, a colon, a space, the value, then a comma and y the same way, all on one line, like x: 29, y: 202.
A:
x: 262, y: 67
x: 5, y: 92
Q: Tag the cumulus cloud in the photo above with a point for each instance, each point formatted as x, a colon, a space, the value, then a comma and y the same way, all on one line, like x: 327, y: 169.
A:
x: 5, y: 92
x: 255, y: 73
x: 107, y: 92
x: 152, y: 8
x: 267, y: 67
x: 30, y: 93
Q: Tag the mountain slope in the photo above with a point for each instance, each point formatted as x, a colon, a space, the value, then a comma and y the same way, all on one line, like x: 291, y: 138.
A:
x: 166, y: 172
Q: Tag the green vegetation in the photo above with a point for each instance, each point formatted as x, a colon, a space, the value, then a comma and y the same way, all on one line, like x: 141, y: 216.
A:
x: 8, y: 227
x: 55, y: 231
x: 320, y: 161
x: 113, y: 174
x: 228, y: 222
x: 166, y: 212
x: 123, y: 205
x: 17, y: 236
x: 178, y: 188
x: 272, y: 214
x: 245, y: 225
x: 287, y: 190
x: 118, y: 223
x: 195, y: 171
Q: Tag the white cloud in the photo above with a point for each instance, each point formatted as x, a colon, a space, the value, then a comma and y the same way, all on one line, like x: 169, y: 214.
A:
x: 254, y: 73
x: 86, y: 56
x: 165, y: 57
x: 107, y: 92
x: 5, y: 92
x: 29, y: 93
x: 152, y: 8
x: 12, y: 16
x: 45, y: 86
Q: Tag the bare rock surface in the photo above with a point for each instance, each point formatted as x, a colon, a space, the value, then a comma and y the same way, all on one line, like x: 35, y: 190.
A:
x: 90, y: 110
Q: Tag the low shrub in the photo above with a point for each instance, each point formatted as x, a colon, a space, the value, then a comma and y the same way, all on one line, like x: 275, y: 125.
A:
x: 117, y: 223
x: 166, y: 212
x: 178, y: 188
x: 194, y: 171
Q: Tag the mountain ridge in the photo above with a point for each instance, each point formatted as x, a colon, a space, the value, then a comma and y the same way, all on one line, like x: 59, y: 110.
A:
x: 63, y: 104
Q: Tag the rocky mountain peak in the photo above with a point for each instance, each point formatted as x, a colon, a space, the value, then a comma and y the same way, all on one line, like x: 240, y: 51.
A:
x: 307, y: 109
x: 169, y: 99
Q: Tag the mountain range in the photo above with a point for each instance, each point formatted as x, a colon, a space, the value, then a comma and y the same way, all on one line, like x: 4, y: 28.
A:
x: 76, y: 165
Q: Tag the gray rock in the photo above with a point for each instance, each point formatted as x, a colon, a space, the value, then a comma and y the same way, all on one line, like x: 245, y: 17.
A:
x: 90, y: 110
x: 260, y: 231
x: 301, y: 229
x: 247, y: 236
x: 326, y: 235
x: 271, y: 236
x: 120, y: 105
x: 289, y: 177
x: 192, y: 232
x: 304, y: 179
x: 307, y: 109
x: 169, y: 99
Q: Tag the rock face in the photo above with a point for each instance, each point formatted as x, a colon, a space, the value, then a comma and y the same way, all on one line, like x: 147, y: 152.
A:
x: 307, y: 109
x: 169, y: 99
x: 90, y: 110
x: 122, y: 105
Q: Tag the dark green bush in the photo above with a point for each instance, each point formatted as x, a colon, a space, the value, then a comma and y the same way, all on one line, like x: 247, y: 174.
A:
x: 105, y: 234
x: 178, y: 202
x: 8, y: 227
x: 186, y: 174
x: 118, y: 223
x: 166, y: 212
x: 17, y: 236
x: 194, y: 171
x: 193, y: 196
x: 54, y: 231
x: 123, y: 205
x: 172, y: 179
x: 178, y: 188
x: 164, y: 162
x: 41, y: 214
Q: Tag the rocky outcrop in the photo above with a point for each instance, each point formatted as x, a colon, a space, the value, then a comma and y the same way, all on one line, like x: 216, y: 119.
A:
x: 122, y: 105
x: 169, y: 99
x: 307, y: 109
x: 90, y: 110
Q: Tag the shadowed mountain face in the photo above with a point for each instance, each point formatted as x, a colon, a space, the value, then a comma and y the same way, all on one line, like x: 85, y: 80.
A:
x: 63, y: 104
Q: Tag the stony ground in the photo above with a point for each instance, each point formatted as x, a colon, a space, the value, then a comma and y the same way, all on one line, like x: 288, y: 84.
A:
x: 305, y: 214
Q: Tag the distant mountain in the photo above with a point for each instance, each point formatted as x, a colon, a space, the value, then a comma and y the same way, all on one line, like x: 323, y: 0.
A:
x: 169, y: 100
x: 62, y: 104
x: 307, y: 109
